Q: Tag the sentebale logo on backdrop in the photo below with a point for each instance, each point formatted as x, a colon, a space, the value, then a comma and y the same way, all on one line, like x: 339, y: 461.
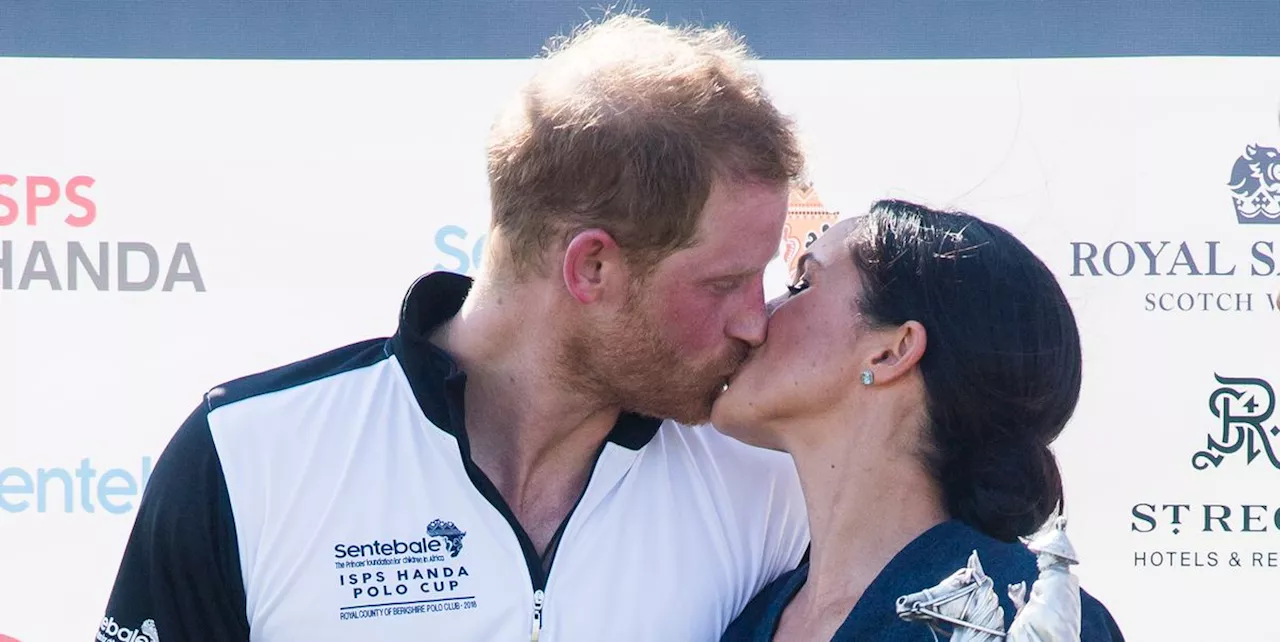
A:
x: 464, y: 251
x: 72, y: 490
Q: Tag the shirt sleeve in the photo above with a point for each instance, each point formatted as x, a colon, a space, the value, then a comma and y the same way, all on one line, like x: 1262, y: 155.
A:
x: 788, y: 531
x: 180, y: 576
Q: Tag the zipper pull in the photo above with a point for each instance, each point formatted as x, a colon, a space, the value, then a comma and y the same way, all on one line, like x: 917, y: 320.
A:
x: 538, y: 597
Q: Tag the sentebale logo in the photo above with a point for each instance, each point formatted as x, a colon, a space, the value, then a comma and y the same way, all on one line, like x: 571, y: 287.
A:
x: 110, y: 631
x: 441, y: 534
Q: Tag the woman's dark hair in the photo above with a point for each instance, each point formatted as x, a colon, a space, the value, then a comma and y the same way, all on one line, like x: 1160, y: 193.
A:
x: 1002, y: 362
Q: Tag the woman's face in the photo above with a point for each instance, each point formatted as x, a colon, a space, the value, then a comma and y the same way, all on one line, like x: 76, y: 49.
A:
x: 811, y: 360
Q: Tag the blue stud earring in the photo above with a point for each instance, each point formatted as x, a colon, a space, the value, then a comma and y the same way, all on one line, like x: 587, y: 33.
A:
x: 868, y: 377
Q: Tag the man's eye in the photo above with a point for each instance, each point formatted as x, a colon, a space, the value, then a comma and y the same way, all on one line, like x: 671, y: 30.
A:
x: 725, y: 286
x: 798, y: 287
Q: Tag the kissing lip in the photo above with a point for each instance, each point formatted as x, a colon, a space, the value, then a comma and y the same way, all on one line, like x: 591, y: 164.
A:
x: 742, y: 365
x: 727, y: 379
x: 733, y: 374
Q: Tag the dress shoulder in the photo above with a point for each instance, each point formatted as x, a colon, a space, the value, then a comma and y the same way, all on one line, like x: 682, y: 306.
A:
x: 760, y: 611
x: 1096, y: 622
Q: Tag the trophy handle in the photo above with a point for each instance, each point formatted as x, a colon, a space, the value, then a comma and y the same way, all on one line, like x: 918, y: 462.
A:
x: 1052, y: 611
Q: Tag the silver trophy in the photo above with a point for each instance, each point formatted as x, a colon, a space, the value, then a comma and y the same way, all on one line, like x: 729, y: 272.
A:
x: 966, y: 601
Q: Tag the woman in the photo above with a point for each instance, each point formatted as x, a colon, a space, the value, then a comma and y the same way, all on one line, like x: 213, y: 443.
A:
x: 917, y: 372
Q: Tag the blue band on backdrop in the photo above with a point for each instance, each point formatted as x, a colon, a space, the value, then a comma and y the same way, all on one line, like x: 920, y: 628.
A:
x: 776, y: 29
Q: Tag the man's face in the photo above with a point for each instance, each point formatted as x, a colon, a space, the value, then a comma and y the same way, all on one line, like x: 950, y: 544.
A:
x: 689, y: 324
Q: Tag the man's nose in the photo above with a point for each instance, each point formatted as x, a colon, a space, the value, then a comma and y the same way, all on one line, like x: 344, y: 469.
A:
x: 751, y: 324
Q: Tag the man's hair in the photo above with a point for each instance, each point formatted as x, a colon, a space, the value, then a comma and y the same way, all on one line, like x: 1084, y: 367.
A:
x: 624, y: 127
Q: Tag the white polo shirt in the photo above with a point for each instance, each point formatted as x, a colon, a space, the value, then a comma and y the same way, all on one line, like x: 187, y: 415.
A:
x: 335, y: 499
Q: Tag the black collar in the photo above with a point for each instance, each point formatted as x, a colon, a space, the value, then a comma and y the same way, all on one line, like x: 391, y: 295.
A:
x: 434, y: 376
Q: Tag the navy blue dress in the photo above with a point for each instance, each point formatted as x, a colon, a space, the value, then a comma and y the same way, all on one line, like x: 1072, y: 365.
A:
x: 927, y: 560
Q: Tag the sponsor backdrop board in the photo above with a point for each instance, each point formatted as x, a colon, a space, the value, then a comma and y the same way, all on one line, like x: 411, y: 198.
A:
x: 166, y: 225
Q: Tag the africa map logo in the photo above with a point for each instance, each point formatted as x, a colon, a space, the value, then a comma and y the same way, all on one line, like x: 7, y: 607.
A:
x: 451, y: 534
x: 1255, y: 186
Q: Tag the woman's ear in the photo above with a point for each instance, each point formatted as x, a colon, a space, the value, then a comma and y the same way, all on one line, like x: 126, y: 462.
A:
x: 901, y: 350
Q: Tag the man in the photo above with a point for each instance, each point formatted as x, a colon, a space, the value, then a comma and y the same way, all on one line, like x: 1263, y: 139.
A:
x: 495, y: 471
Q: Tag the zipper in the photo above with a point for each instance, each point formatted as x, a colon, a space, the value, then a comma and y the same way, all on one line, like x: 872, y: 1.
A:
x: 537, y: 575
x: 441, y: 403
x: 538, y: 597
x: 538, y: 572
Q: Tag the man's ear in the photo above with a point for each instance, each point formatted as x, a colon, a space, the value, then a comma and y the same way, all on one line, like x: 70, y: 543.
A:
x: 900, y: 352
x: 592, y: 266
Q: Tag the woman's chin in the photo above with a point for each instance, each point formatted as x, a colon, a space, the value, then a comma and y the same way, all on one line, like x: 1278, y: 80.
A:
x: 733, y: 416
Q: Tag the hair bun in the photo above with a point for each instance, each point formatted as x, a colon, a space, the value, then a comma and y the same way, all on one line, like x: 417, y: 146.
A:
x: 1006, y: 492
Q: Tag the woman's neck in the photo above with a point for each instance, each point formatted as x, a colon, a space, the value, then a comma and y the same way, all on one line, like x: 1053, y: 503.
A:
x: 867, y: 497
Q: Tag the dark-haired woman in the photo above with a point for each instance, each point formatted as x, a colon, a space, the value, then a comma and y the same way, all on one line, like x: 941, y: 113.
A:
x: 917, y: 372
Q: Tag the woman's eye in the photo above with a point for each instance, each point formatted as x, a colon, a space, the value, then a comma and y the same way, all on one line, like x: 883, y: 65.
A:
x: 798, y: 287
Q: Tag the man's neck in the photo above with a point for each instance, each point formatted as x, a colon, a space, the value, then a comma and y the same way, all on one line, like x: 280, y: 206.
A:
x: 534, y: 439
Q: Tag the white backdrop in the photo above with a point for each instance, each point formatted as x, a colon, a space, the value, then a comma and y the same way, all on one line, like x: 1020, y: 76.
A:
x: 310, y: 194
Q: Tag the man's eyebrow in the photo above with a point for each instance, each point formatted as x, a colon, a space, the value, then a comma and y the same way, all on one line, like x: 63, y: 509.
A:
x: 747, y: 272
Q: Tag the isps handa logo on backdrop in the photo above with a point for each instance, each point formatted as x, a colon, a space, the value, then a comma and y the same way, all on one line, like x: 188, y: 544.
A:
x: 1224, y: 533
x: 31, y: 261
x: 1206, y: 274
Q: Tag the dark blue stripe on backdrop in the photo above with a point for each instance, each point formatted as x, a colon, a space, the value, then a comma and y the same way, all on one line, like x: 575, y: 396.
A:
x: 776, y: 29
